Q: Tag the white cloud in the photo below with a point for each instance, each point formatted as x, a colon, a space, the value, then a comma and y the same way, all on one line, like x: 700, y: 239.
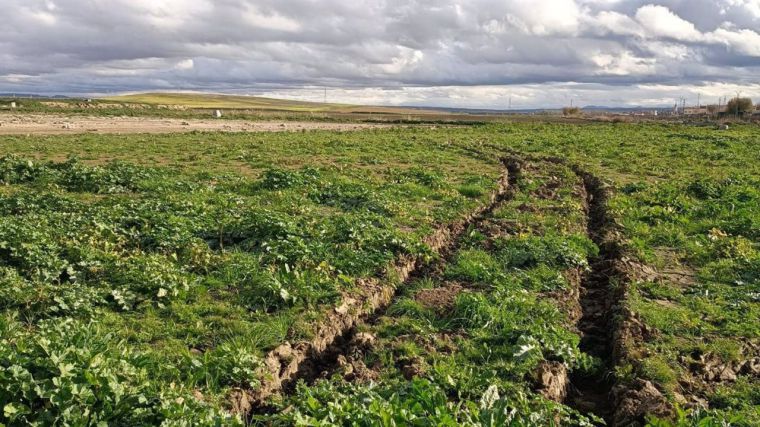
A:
x: 185, y: 64
x: 450, y: 51
x: 623, y: 64
x: 406, y: 59
x: 14, y: 78
x: 752, y: 7
x: 544, y: 17
x: 270, y: 21
x: 167, y: 13
x: 611, y: 22
x: 659, y: 21
x: 745, y: 42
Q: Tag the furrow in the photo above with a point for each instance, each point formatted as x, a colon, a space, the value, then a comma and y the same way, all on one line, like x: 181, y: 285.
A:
x: 610, y: 331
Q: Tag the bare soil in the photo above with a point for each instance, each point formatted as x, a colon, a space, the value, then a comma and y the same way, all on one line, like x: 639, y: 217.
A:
x: 57, y: 124
x: 439, y: 299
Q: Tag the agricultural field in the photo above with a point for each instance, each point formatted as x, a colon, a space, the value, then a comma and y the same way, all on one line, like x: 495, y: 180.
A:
x: 523, y: 273
x: 200, y: 100
x: 202, y: 106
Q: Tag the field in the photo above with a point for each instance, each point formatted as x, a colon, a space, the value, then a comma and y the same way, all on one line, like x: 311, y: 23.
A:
x: 517, y: 273
x: 202, y: 106
x: 195, y: 100
x: 130, y: 109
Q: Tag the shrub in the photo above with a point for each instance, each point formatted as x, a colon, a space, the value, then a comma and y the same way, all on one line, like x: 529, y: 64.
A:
x: 739, y: 106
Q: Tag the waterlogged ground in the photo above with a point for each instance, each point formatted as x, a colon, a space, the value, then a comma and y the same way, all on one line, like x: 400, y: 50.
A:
x: 143, y: 280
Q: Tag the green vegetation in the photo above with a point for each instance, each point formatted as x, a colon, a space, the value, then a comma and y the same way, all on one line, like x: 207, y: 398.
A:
x: 199, y: 100
x: 201, y: 105
x: 127, y: 288
x: 207, y: 101
x: 739, y: 106
x: 462, y: 347
x: 143, y: 277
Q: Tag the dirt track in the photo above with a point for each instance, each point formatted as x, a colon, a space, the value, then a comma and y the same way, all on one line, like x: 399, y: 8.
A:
x: 49, y: 124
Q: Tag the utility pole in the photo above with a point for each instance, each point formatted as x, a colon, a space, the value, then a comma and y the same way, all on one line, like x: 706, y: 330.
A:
x: 325, y: 97
x: 510, y: 102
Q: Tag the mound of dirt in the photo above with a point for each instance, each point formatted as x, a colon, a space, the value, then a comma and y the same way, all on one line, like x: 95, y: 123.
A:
x: 439, y: 299
x: 638, y: 400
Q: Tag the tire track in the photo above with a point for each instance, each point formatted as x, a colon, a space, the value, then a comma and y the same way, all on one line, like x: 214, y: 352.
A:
x: 610, y: 330
x: 288, y: 363
x: 591, y: 393
x: 335, y: 356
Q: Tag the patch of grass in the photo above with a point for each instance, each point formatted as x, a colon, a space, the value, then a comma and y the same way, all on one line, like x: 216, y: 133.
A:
x: 177, y: 261
x: 473, y: 265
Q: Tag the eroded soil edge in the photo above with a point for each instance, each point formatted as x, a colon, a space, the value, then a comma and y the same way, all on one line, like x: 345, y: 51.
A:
x: 610, y: 331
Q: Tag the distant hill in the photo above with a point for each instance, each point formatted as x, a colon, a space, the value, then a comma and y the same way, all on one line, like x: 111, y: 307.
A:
x: 201, y: 100
x: 30, y: 96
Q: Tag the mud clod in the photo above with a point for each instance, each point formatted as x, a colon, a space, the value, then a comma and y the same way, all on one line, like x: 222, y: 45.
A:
x: 552, y: 380
x: 637, y: 400
x: 412, y: 369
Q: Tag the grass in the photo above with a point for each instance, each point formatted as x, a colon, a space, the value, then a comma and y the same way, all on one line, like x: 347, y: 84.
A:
x: 200, y: 105
x: 154, y: 269
x: 199, y: 100
x: 173, y: 277
x: 208, y: 101
x: 469, y: 364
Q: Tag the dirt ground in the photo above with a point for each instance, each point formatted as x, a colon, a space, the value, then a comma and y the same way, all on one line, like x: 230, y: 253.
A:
x: 50, y: 124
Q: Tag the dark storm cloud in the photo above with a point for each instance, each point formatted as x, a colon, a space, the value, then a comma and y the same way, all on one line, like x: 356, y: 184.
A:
x: 72, y: 46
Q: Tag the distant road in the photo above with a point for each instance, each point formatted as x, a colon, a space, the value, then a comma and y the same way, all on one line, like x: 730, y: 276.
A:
x: 53, y: 124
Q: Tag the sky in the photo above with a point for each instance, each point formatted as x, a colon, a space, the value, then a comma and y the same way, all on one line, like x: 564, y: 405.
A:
x: 451, y: 53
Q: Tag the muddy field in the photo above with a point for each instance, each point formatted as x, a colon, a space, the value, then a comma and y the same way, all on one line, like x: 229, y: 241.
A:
x: 47, y: 124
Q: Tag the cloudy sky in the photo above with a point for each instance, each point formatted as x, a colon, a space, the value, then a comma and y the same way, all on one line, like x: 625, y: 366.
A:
x: 464, y: 53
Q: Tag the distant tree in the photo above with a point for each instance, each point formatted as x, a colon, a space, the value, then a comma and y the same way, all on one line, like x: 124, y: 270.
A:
x: 739, y: 106
x: 571, y: 111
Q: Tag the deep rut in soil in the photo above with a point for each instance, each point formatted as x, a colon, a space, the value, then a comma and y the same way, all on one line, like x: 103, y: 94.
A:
x: 308, y: 361
x: 592, y: 393
x: 330, y: 361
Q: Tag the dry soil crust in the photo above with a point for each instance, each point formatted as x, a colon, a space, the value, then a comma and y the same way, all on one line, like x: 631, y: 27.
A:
x: 56, y: 124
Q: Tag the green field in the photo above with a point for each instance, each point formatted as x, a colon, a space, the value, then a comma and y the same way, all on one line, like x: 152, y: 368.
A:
x: 200, y: 100
x: 202, y: 105
x: 147, y: 279
x: 223, y: 101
